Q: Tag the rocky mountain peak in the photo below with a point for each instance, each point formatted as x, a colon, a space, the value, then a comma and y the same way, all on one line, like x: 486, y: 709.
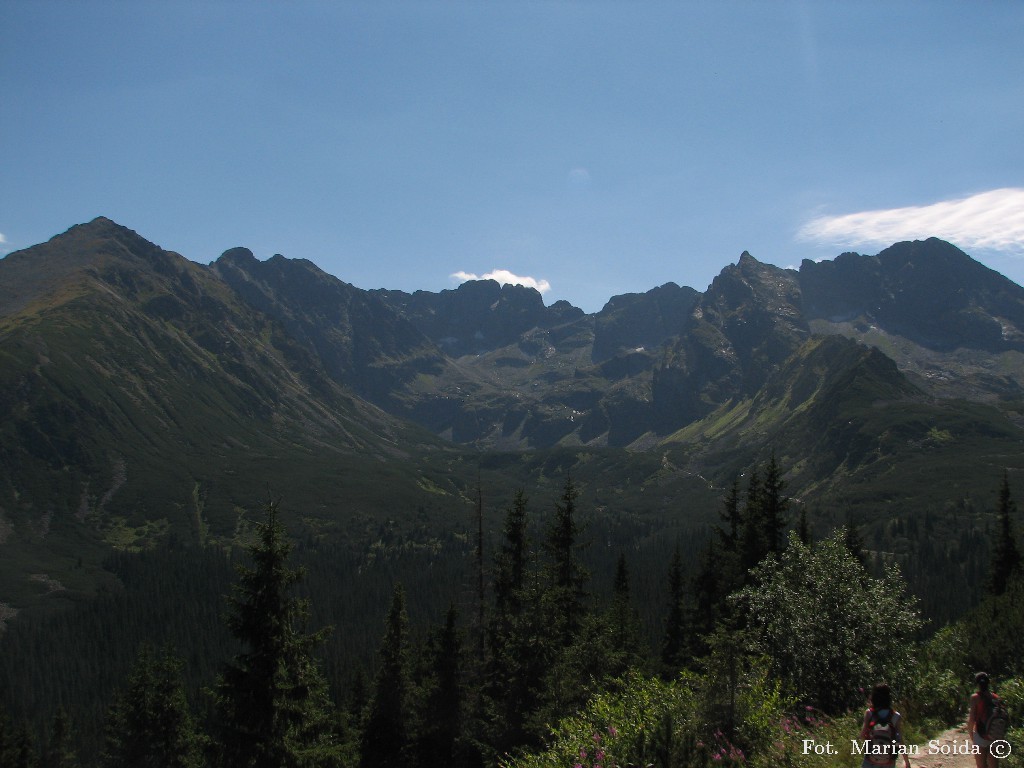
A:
x: 239, y: 257
x: 928, y: 291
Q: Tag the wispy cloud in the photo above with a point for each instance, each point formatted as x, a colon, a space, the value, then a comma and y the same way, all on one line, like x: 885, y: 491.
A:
x: 991, y: 220
x: 579, y: 177
x: 503, y: 276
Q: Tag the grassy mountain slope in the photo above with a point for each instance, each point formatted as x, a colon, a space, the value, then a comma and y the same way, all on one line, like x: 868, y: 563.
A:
x: 142, y: 398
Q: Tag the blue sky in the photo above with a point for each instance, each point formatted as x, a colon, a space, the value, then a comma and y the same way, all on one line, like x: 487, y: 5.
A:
x: 593, y: 148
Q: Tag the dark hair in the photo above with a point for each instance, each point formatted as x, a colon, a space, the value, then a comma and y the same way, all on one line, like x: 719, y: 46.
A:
x: 981, y: 679
x: 881, y: 697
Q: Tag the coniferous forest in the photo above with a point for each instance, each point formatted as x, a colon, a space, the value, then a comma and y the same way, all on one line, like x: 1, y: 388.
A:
x: 537, y: 643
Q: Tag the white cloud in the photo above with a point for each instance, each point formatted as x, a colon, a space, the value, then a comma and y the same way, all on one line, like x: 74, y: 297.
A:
x: 503, y: 276
x: 991, y: 220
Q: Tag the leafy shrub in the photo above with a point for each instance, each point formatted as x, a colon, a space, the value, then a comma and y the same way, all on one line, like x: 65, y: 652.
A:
x: 996, y: 626
x: 940, y: 688
x: 1012, y: 692
x: 828, y: 627
x: 696, y: 720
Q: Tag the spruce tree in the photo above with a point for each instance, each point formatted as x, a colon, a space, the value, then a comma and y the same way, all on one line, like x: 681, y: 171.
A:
x: 511, y: 563
x: 752, y: 545
x: 442, y: 700
x: 717, y: 576
x: 674, y: 641
x: 623, y: 624
x: 1006, y: 559
x: 521, y: 637
x: 150, y: 725
x: 386, y: 734
x: 721, y: 566
x: 568, y: 576
x: 273, y: 709
x: 774, y: 506
x: 731, y: 516
x: 854, y: 541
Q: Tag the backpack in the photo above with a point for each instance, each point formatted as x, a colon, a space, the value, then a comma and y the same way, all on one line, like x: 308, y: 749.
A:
x: 995, y: 718
x: 883, y: 738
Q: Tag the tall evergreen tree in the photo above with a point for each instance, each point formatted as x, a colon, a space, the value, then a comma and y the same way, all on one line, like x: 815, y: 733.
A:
x: 774, y: 507
x: 623, y: 623
x: 150, y: 725
x: 717, y: 576
x: 674, y: 640
x: 480, y: 591
x: 752, y: 544
x: 732, y: 518
x: 1006, y: 559
x: 511, y: 562
x: 273, y: 709
x: 854, y: 541
x: 520, y: 636
x: 442, y: 700
x: 386, y: 734
x: 568, y: 576
x: 721, y: 569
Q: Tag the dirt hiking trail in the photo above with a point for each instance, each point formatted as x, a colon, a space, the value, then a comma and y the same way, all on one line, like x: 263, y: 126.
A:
x: 953, y: 737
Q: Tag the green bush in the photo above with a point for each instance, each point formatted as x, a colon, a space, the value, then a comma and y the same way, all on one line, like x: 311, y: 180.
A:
x: 938, y: 691
x: 830, y: 629
x: 722, y: 718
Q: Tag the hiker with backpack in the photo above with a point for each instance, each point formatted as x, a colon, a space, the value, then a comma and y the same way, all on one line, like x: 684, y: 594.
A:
x: 986, y: 722
x: 881, y: 731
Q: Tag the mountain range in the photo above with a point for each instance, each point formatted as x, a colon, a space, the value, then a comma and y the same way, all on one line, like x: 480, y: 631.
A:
x: 145, y: 397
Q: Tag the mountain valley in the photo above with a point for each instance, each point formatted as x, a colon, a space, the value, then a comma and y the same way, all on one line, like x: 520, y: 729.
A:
x: 147, y: 398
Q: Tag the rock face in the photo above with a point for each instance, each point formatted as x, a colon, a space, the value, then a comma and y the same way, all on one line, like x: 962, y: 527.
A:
x: 929, y: 292
x: 637, y: 322
x: 746, y: 324
x: 479, y: 316
x: 331, y: 328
